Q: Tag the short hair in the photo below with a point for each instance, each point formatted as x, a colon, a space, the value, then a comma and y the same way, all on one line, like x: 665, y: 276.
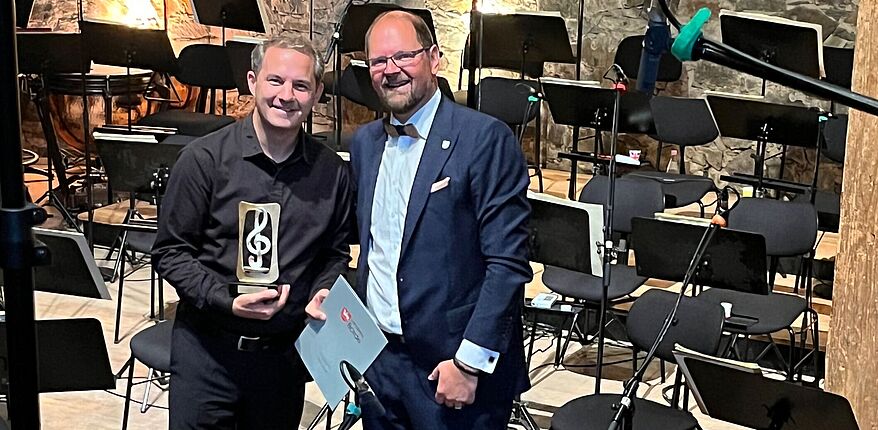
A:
x: 425, y: 37
x: 288, y: 41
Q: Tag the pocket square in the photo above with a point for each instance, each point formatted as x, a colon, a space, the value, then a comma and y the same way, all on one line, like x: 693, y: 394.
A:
x: 440, y: 184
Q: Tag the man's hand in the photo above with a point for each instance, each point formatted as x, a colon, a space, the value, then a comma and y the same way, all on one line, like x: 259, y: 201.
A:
x: 455, y: 387
x: 262, y: 305
x: 313, y: 309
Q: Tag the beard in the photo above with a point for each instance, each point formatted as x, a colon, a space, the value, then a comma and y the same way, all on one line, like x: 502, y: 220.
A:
x: 398, y: 103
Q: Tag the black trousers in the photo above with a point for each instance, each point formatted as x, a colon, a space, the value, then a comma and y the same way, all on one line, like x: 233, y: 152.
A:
x: 216, y: 386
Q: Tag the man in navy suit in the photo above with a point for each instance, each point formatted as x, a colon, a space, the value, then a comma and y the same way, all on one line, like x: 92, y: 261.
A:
x: 442, y: 213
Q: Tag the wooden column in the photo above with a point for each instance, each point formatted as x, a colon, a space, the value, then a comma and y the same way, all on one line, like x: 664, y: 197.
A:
x: 852, y: 353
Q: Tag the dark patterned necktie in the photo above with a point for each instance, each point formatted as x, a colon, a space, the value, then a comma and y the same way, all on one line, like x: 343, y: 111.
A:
x: 401, y: 130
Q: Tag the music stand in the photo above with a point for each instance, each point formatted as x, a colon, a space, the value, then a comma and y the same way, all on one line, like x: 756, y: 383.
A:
x: 130, y: 167
x: 586, y: 104
x: 734, y: 259
x: 763, y: 122
x: 247, y: 15
x: 72, y: 356
x: 360, y: 17
x: 754, y: 401
x: 784, y: 44
x: 566, y: 234
x: 41, y: 55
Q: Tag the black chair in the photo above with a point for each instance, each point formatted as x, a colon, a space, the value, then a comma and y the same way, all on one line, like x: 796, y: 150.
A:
x: 152, y: 347
x: 628, y: 57
x: 790, y: 230
x: 634, y: 198
x: 698, y: 326
x: 683, y: 122
x: 508, y: 100
x: 207, y: 68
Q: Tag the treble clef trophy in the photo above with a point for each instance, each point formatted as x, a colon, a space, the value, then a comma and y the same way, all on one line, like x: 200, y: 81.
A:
x: 257, y: 247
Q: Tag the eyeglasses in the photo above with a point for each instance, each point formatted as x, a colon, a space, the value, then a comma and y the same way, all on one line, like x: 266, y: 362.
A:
x: 401, y: 58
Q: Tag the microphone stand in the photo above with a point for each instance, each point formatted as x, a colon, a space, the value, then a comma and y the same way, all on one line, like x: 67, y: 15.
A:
x: 609, y: 250
x: 625, y: 407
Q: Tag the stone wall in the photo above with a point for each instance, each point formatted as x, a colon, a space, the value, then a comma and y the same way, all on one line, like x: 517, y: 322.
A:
x: 606, y: 22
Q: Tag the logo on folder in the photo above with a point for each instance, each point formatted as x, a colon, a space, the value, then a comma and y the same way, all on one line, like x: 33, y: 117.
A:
x: 352, y: 326
x: 345, y: 314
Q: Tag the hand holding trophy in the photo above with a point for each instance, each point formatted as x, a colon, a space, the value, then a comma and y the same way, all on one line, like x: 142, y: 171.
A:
x: 257, y: 295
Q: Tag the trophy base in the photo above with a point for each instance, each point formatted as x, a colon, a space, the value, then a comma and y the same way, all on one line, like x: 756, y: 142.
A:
x: 236, y: 289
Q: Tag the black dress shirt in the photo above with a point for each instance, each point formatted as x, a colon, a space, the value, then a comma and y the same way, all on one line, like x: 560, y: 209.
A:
x: 196, y: 248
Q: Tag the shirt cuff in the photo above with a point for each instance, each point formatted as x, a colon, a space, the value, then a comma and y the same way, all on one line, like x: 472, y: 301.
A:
x: 477, y: 357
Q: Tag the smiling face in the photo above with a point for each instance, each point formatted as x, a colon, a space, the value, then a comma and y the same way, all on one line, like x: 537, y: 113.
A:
x: 284, y: 90
x: 402, y: 89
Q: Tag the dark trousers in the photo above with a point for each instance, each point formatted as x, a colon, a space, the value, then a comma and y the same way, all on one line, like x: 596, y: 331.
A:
x: 215, y: 386
x: 408, y: 397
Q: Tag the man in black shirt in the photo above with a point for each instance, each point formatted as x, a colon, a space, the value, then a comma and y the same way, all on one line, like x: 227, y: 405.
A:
x: 233, y: 363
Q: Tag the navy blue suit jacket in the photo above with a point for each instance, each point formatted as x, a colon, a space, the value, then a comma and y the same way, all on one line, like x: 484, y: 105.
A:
x: 463, y: 262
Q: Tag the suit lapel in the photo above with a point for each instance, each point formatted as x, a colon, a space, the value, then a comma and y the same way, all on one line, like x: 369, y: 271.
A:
x: 371, y: 164
x: 436, y: 153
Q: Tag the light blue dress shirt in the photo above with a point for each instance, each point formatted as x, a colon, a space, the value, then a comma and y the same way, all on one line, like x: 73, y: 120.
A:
x: 396, y: 175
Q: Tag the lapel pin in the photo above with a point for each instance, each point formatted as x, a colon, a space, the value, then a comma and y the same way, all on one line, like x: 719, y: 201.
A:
x: 446, y: 144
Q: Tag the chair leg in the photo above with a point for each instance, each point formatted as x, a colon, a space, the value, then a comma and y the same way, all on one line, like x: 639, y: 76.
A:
x: 152, y: 292
x: 130, y: 365
x: 678, y: 381
x: 145, y: 404
x: 119, y: 294
x: 161, y: 298
x: 559, y: 356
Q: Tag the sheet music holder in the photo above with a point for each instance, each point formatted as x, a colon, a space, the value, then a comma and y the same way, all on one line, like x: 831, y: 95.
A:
x: 586, y: 104
x: 754, y: 401
x: 521, y: 41
x: 72, y: 270
x: 360, y: 17
x: 72, y: 356
x: 44, y: 53
x: 734, y: 259
x: 23, y: 11
x: 566, y: 233
x: 839, y: 65
x: 129, y: 47
x: 753, y: 119
x: 247, y: 15
x: 793, y: 45
x: 130, y: 165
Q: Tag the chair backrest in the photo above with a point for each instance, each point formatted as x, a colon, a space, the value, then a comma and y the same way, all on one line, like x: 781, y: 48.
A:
x: 507, y: 99
x: 628, y: 57
x: 205, y: 66
x: 633, y: 198
x: 683, y: 122
x: 835, y: 134
x: 789, y: 228
x: 698, y: 324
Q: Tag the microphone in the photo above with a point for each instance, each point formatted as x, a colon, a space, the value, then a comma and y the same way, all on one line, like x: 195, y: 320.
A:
x: 369, y: 403
x: 720, y: 218
x: 621, y: 83
x: 656, y: 42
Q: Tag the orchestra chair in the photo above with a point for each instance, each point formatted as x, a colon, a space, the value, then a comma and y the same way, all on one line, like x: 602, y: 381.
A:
x: 698, y: 326
x: 152, y: 347
x: 790, y: 230
x: 683, y: 122
x: 633, y: 198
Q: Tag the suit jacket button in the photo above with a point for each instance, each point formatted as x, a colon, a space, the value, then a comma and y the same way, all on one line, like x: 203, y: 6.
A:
x: 401, y: 279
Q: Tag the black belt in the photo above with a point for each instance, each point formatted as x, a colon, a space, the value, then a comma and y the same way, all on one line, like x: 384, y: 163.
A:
x: 261, y: 343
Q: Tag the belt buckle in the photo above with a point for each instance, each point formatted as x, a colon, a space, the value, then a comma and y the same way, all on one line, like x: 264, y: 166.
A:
x: 247, y: 343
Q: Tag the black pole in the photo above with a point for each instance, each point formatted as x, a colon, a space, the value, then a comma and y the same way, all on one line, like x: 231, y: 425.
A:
x: 17, y: 241
x: 571, y: 189
x: 475, y: 55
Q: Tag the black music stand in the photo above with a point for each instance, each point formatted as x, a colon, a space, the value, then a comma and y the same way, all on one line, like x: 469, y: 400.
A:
x: 793, y: 47
x: 518, y: 40
x: 565, y: 234
x: 734, y: 259
x: 764, y: 123
x: 23, y: 10
x: 583, y: 104
x: 130, y: 167
x: 72, y: 356
x: 754, y: 401
x: 41, y: 55
x: 130, y: 47
x: 360, y: 17
x: 247, y: 15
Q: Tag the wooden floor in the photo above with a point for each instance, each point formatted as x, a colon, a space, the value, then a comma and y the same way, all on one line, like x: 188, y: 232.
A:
x: 102, y: 410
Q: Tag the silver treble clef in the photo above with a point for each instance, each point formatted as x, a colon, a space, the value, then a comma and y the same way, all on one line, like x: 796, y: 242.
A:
x: 257, y: 243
